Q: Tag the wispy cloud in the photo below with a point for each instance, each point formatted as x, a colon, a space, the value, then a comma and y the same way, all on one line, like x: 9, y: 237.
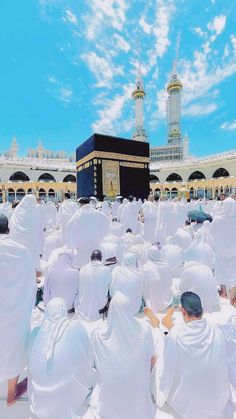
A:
x: 61, y: 91
x: 103, y: 69
x: 229, y: 126
x: 70, y: 17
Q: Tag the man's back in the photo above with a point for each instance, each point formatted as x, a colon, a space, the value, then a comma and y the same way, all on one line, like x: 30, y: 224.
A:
x: 194, y: 362
x: 94, y: 282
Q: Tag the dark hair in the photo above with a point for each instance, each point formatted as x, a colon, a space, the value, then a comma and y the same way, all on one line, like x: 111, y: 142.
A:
x: 131, y: 198
x: 156, y: 197
x: 96, y: 255
x: 188, y: 222
x: 15, y: 203
x: 67, y: 195
x: 83, y: 201
x: 192, y: 304
x: 3, y: 224
x: 114, y: 219
x: 128, y: 230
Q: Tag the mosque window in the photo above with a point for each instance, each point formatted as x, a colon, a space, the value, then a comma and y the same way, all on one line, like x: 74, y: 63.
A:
x: 221, y: 172
x: 174, y: 177
x: 19, y: 177
x: 46, y: 177
x: 69, y: 178
x: 196, y: 175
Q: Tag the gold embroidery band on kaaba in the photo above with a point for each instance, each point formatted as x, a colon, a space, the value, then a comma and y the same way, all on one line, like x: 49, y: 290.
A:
x: 113, y: 156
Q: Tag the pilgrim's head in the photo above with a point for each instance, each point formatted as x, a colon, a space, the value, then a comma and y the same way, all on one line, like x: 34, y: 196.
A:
x: 131, y: 198
x: 96, y: 255
x: 191, y: 306
x: 3, y: 224
x: 83, y: 201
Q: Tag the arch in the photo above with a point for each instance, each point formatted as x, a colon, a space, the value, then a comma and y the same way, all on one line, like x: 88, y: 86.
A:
x: 221, y: 172
x: 30, y: 190
x: 153, y: 178
x: 196, y: 175
x: 69, y: 178
x: 11, y: 194
x: 20, y: 193
x: 46, y: 177
x: 174, y: 192
x: 51, y: 194
x: 174, y: 177
x: 167, y: 192
x: 19, y: 176
x: 42, y: 193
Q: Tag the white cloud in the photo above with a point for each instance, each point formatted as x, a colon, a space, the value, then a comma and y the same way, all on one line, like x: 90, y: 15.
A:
x: 199, y: 32
x: 121, y: 43
x: 61, y: 91
x: 164, y: 11
x: 217, y: 25
x: 145, y: 26
x: 112, y: 112
x: 104, y: 14
x: 229, y: 126
x: 103, y: 69
x: 198, y: 109
x: 71, y: 17
x: 233, y: 41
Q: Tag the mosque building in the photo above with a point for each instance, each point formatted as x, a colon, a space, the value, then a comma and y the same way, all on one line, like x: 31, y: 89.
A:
x: 173, y: 172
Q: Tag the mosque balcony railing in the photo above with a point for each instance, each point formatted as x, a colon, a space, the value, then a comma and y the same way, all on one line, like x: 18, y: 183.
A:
x: 45, y: 164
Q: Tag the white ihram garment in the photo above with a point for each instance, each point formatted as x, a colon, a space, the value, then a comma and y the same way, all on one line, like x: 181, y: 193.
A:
x: 229, y: 332
x: 123, y: 350
x: 17, y: 296
x: 94, y: 283
x: 150, y: 219
x: 85, y: 232
x: 223, y: 229
x: 116, y: 228
x: 129, y: 281
x: 129, y: 217
x: 192, y: 362
x: 61, y: 280
x: 157, y: 281
x: 198, y: 278
x: 26, y: 226
x: 52, y: 241
x: 66, y: 211
x: 60, y: 366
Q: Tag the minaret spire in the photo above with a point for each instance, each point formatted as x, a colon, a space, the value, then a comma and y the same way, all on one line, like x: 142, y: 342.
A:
x: 138, y: 95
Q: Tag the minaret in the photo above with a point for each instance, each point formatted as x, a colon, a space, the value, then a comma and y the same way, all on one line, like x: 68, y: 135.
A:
x: 185, y: 146
x: 40, y: 150
x: 14, y: 148
x: 174, y: 89
x: 138, y: 95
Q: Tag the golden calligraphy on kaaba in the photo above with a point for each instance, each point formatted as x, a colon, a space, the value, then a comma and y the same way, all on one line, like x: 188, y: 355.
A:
x: 110, y: 178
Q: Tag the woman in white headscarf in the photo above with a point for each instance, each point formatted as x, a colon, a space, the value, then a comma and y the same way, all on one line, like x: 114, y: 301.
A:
x: 129, y: 280
x: 198, y: 278
x: 26, y: 226
x: 199, y: 251
x: 157, y: 281
x: 124, y: 352
x: 60, y: 366
x: 106, y: 208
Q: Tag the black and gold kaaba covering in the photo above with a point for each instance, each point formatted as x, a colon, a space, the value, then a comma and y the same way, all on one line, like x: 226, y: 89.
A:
x: 110, y: 166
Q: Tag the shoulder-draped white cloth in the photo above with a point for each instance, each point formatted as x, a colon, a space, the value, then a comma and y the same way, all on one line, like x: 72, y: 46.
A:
x: 174, y: 255
x: 26, y: 226
x: 94, y: 283
x: 150, y: 218
x: 129, y: 281
x: 181, y: 238
x: 66, y: 211
x: 192, y: 362
x: 60, y: 365
x: 129, y: 217
x: 223, y: 228
x: 157, y: 281
x: 17, y: 296
x: 199, y: 251
x: 85, y: 232
x: 198, y: 278
x: 62, y: 279
x: 123, y: 352
x: 52, y: 241
x: 116, y: 228
x: 229, y: 332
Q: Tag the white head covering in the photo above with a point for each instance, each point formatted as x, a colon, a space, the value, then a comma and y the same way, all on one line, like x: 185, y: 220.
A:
x: 201, y: 252
x: 154, y: 254
x: 198, y: 278
x: 181, y: 238
x: 122, y: 355
x: 128, y: 280
x: 174, y: 256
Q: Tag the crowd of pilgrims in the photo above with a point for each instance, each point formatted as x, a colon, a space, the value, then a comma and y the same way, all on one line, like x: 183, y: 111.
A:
x: 119, y: 310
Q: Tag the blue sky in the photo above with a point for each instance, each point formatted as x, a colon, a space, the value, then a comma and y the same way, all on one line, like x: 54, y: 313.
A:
x: 68, y: 69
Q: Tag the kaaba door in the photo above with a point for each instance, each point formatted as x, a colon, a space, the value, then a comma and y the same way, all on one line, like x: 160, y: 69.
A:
x: 134, y: 182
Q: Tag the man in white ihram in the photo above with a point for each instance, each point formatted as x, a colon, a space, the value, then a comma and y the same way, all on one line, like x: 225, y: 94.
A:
x: 17, y: 296
x: 86, y: 230
x: 191, y: 374
x: 130, y: 216
x: 94, y: 283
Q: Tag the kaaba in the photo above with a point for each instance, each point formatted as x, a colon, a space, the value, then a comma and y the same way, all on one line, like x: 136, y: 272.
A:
x: 110, y: 166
